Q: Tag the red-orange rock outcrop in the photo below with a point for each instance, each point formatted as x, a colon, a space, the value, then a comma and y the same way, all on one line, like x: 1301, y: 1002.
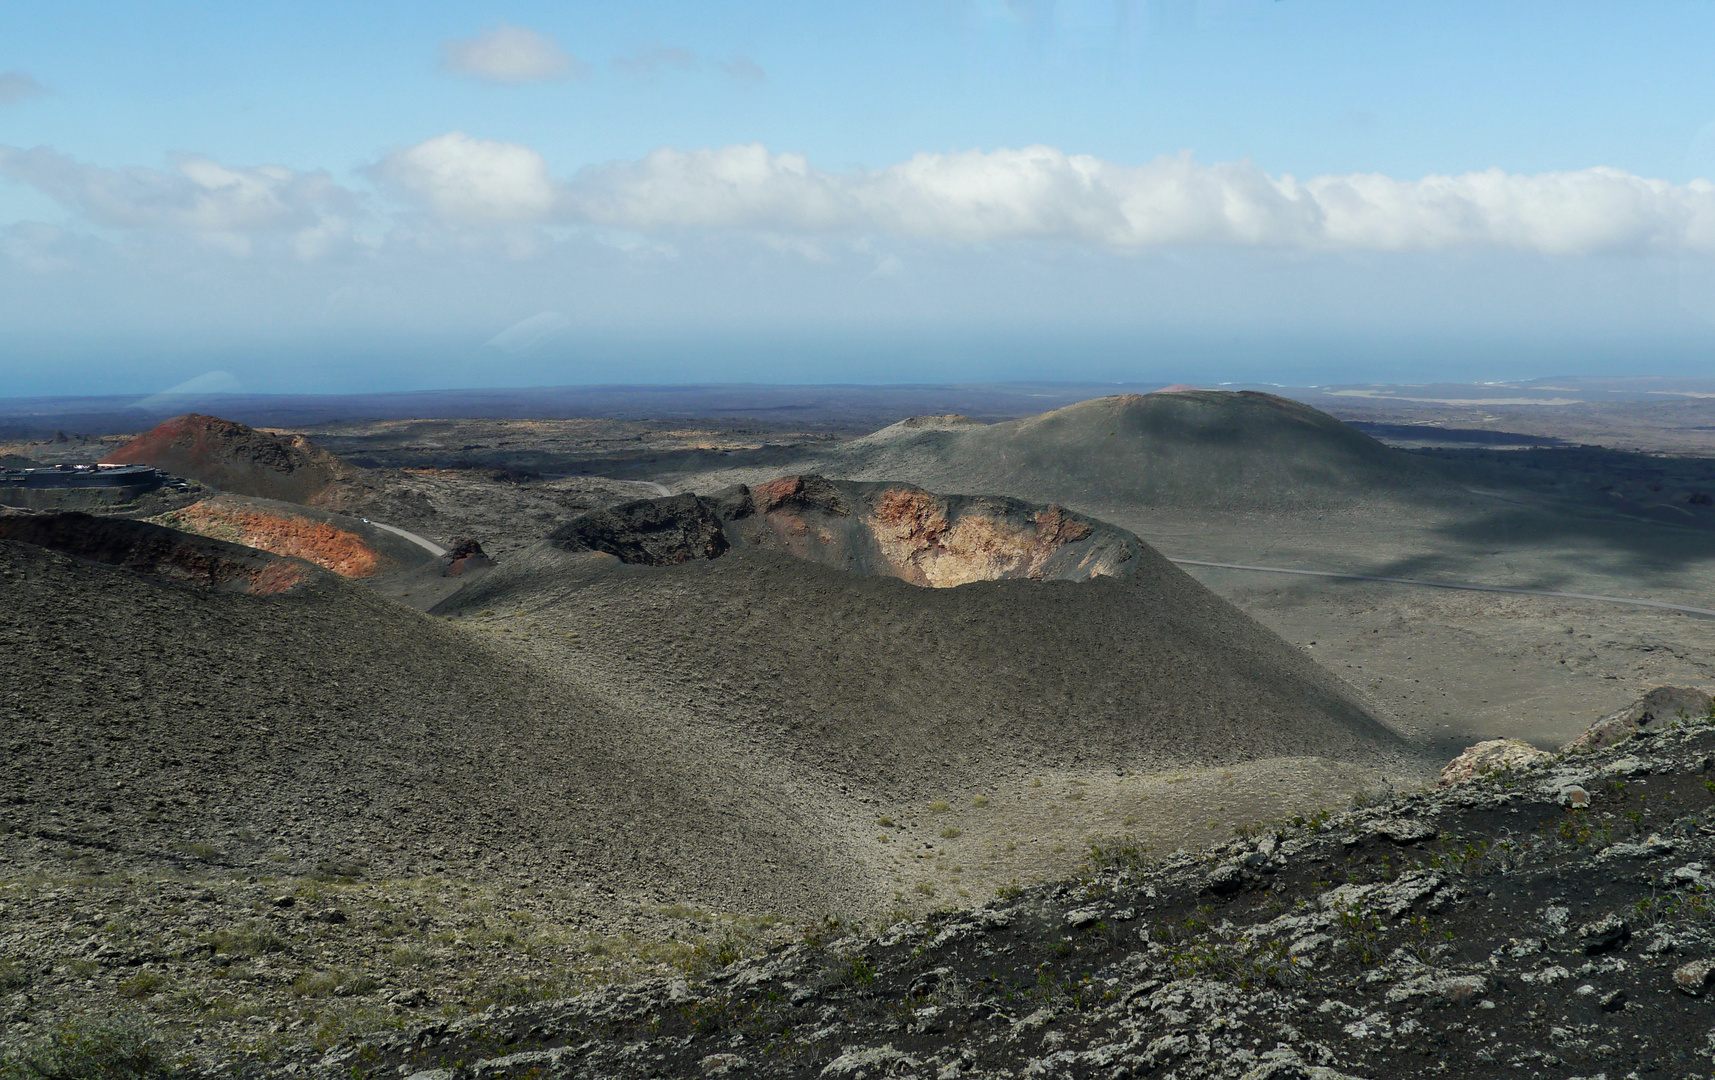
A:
x: 282, y: 533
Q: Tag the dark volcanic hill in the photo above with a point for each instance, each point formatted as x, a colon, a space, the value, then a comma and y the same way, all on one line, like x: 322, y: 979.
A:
x: 1197, y: 449
x: 869, y: 678
x: 239, y: 459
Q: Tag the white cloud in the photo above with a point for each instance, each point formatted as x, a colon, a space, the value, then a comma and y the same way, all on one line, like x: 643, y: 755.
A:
x: 199, y: 196
x: 655, y: 59
x: 973, y: 197
x: 18, y: 85
x: 511, y: 54
x: 734, y: 186
x: 742, y: 70
x: 1039, y: 192
x: 467, y: 181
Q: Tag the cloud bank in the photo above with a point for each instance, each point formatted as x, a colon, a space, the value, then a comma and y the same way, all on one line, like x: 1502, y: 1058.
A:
x: 198, y: 196
x: 512, y: 55
x: 1036, y: 193
x: 1042, y: 193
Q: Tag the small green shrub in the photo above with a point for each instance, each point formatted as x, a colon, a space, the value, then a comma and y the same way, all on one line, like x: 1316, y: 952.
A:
x: 105, y: 1049
x: 14, y: 976
x: 251, y: 939
x: 142, y: 984
x: 1118, y: 853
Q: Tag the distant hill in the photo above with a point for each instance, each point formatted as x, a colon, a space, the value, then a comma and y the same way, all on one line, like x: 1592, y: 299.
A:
x: 241, y: 460
x: 1198, y: 449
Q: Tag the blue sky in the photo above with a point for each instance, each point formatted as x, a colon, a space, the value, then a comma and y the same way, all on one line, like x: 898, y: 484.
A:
x: 326, y: 197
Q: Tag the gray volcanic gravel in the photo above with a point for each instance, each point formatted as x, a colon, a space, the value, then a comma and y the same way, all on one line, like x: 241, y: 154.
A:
x: 161, y: 725
x: 902, y: 688
x: 1484, y: 930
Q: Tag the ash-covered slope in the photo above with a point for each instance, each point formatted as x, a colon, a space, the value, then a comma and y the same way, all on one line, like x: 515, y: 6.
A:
x: 150, y: 724
x: 1493, y: 929
x: 240, y: 459
x: 878, y: 681
x: 1200, y: 449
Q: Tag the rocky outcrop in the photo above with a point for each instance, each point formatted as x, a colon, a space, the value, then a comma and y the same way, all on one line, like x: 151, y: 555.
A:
x: 279, y: 529
x: 466, y: 557
x: 158, y: 552
x: 651, y: 532
x: 885, y: 530
x: 1494, y: 755
x: 1651, y: 712
x: 1655, y: 711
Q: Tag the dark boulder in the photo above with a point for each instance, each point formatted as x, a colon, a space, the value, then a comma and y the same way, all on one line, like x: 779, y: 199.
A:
x: 651, y: 532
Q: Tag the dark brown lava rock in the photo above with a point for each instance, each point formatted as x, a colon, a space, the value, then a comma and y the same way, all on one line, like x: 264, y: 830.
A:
x: 652, y: 532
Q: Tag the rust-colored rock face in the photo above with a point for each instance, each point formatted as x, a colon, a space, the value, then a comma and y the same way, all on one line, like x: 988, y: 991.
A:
x: 239, y: 459
x: 926, y: 545
x: 158, y: 552
x: 939, y: 541
x: 281, y: 533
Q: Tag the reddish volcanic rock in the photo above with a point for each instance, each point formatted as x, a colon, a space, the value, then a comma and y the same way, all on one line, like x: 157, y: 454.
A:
x: 929, y: 539
x: 465, y: 557
x: 238, y: 459
x: 282, y: 533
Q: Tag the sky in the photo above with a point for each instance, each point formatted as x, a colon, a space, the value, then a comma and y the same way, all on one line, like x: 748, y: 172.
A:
x: 321, y: 197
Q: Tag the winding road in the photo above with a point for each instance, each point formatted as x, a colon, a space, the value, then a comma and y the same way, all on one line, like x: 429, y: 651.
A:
x: 420, y: 541
x: 1464, y: 586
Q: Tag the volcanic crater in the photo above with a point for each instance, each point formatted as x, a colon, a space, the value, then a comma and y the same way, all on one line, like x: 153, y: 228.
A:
x: 877, y: 529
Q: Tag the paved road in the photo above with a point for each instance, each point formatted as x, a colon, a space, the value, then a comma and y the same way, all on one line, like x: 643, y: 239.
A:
x: 420, y: 541
x: 1464, y: 586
